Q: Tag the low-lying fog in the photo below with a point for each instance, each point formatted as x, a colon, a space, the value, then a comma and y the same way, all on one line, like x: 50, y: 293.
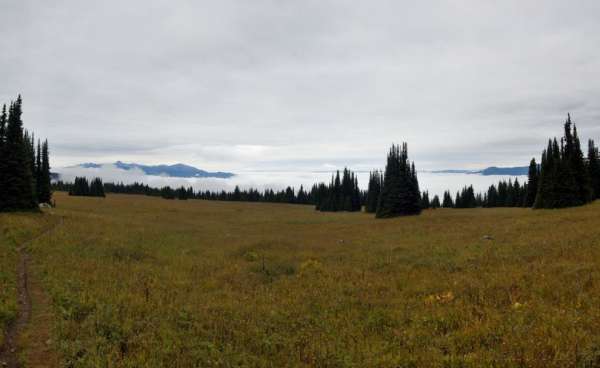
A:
x: 436, y: 183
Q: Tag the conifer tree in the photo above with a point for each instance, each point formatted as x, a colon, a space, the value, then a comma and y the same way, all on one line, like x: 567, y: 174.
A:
x: 564, y: 177
x: 532, y: 183
x: 447, y: 203
x: 80, y: 187
x: 3, y: 157
x: 425, y: 203
x: 3, y: 121
x: 593, y: 165
x: 182, y: 193
x: 373, y: 191
x: 400, y: 193
x: 580, y: 171
x: 342, y: 194
x: 43, y: 185
x: 96, y: 188
x: 435, y: 202
x: 19, y: 186
x: 38, y: 171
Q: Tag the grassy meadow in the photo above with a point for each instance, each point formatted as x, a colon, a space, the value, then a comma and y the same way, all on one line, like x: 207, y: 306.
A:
x: 133, y: 281
x: 15, y: 228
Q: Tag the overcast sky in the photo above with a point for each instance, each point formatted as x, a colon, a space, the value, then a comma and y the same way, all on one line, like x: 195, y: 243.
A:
x: 237, y: 85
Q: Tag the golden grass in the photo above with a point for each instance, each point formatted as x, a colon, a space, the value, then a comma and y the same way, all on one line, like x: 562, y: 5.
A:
x: 15, y: 228
x: 137, y: 281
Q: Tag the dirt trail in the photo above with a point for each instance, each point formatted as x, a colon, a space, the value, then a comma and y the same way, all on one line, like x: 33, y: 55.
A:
x: 9, y: 357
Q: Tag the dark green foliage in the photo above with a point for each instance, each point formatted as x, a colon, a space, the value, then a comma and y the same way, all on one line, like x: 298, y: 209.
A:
x: 342, y: 194
x: 579, y: 170
x: 302, y: 197
x: 43, y: 177
x: 247, y: 195
x: 465, y: 198
x: 448, y: 202
x: 373, y: 192
x: 167, y: 193
x: 593, y: 165
x: 425, y: 203
x: 96, y: 188
x: 22, y: 170
x: 81, y: 187
x: 400, y: 193
x: 182, y: 193
x: 37, y: 173
x: 435, y: 202
x: 532, y: 183
x: 3, y: 155
x: 506, y: 194
x: 564, y: 179
x: 17, y: 187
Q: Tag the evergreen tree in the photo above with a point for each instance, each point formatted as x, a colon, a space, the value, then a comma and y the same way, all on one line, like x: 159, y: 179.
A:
x: 44, y: 186
x: 435, y: 202
x: 400, y: 193
x: 580, y: 171
x: 466, y: 198
x: 564, y: 179
x: 38, y: 171
x: 545, y: 194
x: 182, y: 193
x: 80, y: 187
x: 3, y: 121
x: 237, y: 195
x: 167, y: 193
x: 593, y: 165
x: 375, y: 184
x: 342, y: 194
x: 532, y: 183
x: 3, y: 157
x: 493, y: 197
x: 425, y: 203
x: 96, y: 188
x: 19, y: 186
x: 447, y: 203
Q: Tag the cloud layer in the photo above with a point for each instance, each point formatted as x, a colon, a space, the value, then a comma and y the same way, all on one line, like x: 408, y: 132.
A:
x: 277, y: 180
x: 234, y: 85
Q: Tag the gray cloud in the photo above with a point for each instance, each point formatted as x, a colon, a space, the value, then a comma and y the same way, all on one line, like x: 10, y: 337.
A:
x: 234, y: 85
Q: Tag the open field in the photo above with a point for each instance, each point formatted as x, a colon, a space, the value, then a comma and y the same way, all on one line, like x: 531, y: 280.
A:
x: 132, y: 281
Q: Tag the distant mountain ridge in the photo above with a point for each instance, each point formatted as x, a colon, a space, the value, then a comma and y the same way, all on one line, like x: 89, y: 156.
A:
x: 492, y: 170
x: 174, y: 171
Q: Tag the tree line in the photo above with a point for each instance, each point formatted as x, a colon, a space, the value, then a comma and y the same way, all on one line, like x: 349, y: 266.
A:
x: 563, y: 178
x: 24, y: 163
x: 288, y: 195
x: 566, y: 179
x: 342, y: 194
x: 82, y: 187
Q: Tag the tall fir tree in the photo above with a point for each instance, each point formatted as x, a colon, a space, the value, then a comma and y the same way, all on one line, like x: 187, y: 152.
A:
x: 580, y: 171
x: 400, y: 195
x: 19, y: 186
x: 37, y: 173
x: 342, y: 194
x: 447, y: 202
x: 593, y: 166
x: 564, y: 179
x: 435, y: 202
x: 533, y: 177
x: 425, y: 202
x: 373, y: 192
x: 3, y: 156
x: 44, y: 185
